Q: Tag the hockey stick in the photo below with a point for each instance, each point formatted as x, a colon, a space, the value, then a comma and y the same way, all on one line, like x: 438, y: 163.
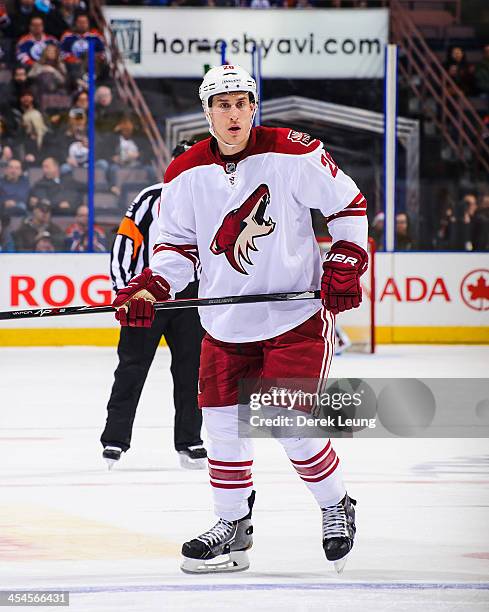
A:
x: 170, y: 304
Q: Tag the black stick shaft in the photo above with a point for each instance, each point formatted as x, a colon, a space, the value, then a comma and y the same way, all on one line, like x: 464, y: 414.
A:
x: 170, y: 304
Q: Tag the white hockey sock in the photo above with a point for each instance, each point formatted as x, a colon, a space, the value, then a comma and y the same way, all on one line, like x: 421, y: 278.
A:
x: 318, y: 465
x: 230, y: 462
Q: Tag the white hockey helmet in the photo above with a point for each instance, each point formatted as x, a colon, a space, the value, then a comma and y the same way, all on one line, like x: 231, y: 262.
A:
x: 226, y: 79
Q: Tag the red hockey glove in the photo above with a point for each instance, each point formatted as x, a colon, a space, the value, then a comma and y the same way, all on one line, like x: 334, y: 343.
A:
x: 342, y: 268
x: 134, y: 303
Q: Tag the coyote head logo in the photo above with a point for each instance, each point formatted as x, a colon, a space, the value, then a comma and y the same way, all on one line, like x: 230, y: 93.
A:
x: 240, y: 227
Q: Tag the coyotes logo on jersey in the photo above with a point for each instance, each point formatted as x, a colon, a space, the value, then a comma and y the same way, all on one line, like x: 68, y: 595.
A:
x: 302, y: 137
x: 240, y: 227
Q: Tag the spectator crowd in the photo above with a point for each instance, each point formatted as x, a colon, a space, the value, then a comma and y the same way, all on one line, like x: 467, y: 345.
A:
x: 44, y: 146
x: 258, y: 4
x: 44, y: 128
x: 471, y: 78
x: 462, y: 226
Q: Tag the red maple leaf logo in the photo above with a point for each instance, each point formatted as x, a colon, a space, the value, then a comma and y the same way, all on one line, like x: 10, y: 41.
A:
x: 479, y: 291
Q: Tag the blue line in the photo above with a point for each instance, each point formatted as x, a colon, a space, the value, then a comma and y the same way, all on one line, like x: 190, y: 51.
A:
x: 258, y: 83
x: 396, y: 79
x: 394, y: 154
x: 254, y: 71
x: 303, y: 586
x: 91, y: 142
x: 223, y: 53
x: 385, y: 151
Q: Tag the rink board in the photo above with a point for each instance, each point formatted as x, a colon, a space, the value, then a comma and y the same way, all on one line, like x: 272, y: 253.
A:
x: 420, y: 298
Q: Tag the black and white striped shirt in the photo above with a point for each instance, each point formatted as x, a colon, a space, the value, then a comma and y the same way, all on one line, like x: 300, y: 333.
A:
x: 136, y: 236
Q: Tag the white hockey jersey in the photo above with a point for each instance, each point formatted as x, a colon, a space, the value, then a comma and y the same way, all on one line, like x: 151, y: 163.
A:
x: 248, y: 220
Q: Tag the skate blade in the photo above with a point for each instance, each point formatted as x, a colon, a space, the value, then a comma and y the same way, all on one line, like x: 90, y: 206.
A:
x: 111, y: 462
x: 234, y: 562
x: 192, y: 464
x: 339, y: 565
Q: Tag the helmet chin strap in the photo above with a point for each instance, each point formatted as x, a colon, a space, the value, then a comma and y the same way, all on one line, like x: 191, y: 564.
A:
x: 213, y: 133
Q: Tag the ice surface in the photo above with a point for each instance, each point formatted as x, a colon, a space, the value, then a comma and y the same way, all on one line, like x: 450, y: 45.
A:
x: 113, y: 538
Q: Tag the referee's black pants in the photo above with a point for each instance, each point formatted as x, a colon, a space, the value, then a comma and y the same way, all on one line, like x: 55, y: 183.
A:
x: 136, y: 350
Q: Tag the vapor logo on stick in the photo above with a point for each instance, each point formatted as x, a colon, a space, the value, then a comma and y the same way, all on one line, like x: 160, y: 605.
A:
x: 240, y: 228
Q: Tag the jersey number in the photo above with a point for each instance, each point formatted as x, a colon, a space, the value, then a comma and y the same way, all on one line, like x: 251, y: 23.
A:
x: 328, y: 161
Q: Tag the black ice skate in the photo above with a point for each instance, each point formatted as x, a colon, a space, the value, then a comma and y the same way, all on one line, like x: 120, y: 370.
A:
x: 112, y: 454
x: 193, y: 458
x: 339, y: 531
x: 222, y: 548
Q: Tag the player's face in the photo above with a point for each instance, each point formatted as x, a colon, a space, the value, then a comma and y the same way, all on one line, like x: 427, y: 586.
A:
x: 231, y: 116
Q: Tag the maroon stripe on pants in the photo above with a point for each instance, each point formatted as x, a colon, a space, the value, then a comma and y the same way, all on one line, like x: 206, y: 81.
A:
x: 233, y: 464
x: 319, y: 478
x: 219, y: 485
x: 318, y: 467
x: 230, y: 474
x: 316, y: 456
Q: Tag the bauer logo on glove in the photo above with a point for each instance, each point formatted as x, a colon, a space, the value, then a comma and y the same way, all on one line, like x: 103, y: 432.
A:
x: 342, y: 269
x: 340, y: 257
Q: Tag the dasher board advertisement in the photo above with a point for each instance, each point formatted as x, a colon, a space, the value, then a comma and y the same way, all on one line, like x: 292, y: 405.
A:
x: 419, y: 297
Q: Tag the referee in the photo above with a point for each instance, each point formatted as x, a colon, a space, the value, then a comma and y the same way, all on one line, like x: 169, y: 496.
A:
x: 181, y: 327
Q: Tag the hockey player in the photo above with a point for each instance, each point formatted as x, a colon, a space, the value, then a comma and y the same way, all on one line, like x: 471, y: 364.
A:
x: 243, y: 198
x: 137, y: 347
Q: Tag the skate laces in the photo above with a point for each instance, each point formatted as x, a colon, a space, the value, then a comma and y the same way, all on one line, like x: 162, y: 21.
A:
x: 334, y: 521
x: 221, y: 530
